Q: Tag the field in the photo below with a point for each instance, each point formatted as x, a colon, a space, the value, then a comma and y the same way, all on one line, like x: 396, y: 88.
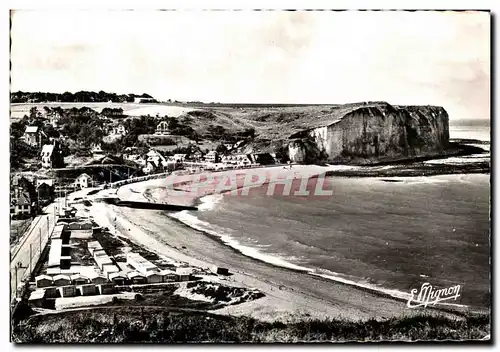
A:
x: 17, y: 111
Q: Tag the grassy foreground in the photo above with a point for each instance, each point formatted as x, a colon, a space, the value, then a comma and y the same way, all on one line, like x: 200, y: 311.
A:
x: 161, y: 326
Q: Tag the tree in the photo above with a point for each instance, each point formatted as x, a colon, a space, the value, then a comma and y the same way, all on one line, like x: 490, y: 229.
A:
x: 221, y: 149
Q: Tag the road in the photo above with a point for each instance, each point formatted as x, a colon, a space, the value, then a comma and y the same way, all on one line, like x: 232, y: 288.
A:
x: 27, y: 252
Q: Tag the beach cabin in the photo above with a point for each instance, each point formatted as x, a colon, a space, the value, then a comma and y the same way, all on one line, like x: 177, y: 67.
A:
x: 86, y: 290
x: 43, y: 281
x: 110, y: 269
x: 55, y: 253
x: 67, y: 291
x: 93, y: 246
x: 61, y: 280
x: 140, y: 264
x: 51, y: 292
x: 136, y: 278
x: 78, y: 279
x: 153, y: 277
x: 106, y: 289
x: 221, y: 271
x: 169, y: 276
x: 101, y: 259
x: 118, y: 278
x: 37, y: 298
x: 184, y: 274
x: 97, y: 279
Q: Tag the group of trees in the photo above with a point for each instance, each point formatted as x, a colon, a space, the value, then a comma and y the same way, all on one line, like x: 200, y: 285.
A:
x: 78, y: 97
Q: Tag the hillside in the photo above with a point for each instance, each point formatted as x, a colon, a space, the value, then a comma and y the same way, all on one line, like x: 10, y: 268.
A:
x: 371, y: 130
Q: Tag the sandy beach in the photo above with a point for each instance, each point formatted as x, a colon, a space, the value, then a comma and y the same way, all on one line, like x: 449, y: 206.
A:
x: 290, y: 294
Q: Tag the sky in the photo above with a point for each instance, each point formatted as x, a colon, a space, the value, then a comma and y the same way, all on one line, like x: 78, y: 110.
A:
x: 418, y: 58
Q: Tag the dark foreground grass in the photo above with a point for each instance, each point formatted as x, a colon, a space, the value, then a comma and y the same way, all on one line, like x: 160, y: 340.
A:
x: 156, y: 325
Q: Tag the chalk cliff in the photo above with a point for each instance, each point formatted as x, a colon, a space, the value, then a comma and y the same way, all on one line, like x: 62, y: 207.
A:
x: 372, y: 132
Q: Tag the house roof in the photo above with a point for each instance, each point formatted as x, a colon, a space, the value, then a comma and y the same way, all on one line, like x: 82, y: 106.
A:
x: 43, y: 277
x: 84, y: 175
x: 31, y: 129
x: 62, y: 277
x: 24, y: 199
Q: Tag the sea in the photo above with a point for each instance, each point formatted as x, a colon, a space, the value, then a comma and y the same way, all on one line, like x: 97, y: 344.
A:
x: 387, y: 234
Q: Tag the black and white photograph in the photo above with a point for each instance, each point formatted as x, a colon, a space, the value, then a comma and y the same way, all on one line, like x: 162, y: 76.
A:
x: 250, y: 176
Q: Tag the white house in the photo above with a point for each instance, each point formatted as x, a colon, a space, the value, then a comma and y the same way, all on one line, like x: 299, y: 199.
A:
x: 32, y: 136
x: 212, y: 156
x: 162, y: 128
x: 47, y: 155
x: 117, y: 131
x: 97, y: 151
x: 83, y: 181
x: 179, y: 158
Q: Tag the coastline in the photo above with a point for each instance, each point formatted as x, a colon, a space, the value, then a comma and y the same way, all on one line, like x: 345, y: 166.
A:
x: 290, y: 293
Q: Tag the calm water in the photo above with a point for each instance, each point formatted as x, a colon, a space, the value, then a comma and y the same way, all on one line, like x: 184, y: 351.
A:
x: 385, y: 235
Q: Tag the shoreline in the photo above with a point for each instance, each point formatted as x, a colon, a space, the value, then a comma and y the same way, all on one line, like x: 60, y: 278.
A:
x: 268, y: 277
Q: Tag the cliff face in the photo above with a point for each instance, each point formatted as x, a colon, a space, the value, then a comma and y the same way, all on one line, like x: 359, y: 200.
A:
x: 374, y: 133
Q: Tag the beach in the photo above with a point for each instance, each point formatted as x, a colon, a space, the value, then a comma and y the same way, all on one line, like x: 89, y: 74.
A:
x: 290, y: 294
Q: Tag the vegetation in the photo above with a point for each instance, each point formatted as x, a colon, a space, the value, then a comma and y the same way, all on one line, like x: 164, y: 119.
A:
x: 143, y: 324
x: 67, y: 97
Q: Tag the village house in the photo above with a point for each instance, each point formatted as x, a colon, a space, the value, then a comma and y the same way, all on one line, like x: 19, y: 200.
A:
x: 196, y: 155
x: 51, y: 156
x: 139, y: 100
x: 179, y: 158
x: 32, y: 136
x: 97, y: 151
x: 45, y: 193
x: 23, y: 205
x: 117, y: 131
x: 53, y: 119
x: 162, y: 128
x: 212, y: 157
x: 83, y: 181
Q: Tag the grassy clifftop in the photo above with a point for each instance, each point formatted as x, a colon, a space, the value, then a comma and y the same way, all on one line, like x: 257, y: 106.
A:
x: 161, y: 326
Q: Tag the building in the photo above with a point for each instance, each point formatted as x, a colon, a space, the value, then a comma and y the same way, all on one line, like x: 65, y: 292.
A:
x: 140, y: 100
x: 54, y: 119
x: 83, y: 181
x: 162, y: 128
x: 179, y: 158
x: 154, y: 277
x: 23, y: 205
x: 42, y: 281
x: 140, y: 264
x: 32, y: 136
x: 51, y: 156
x: 62, y: 280
x: 184, y: 274
x: 117, y: 131
x: 118, y: 278
x: 97, y: 278
x: 67, y: 291
x: 45, y: 193
x: 106, y: 289
x: 221, y: 271
x: 86, y: 290
x: 169, y: 276
x: 37, y: 298
x: 136, y: 278
x: 212, y: 157
x: 78, y: 279
x: 97, y: 151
